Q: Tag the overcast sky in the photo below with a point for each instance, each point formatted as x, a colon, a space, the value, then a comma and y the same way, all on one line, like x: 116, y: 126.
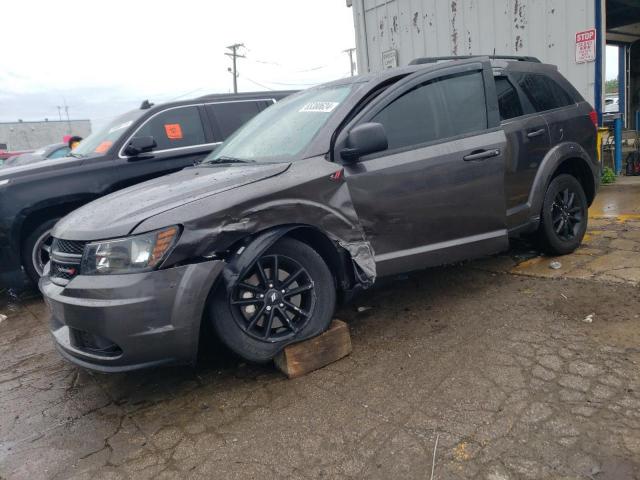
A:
x: 104, y: 57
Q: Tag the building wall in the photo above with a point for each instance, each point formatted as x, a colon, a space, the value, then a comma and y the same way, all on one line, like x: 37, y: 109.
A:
x: 416, y: 28
x: 32, y: 135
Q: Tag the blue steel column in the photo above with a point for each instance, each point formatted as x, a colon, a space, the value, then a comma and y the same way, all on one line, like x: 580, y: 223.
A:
x: 622, y: 82
x: 598, y: 79
x: 617, y: 136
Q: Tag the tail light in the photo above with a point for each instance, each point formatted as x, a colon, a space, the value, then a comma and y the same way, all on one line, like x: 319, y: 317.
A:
x: 593, y: 115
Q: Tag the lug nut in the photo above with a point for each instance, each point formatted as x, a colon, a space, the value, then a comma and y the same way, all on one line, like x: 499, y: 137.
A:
x: 268, y: 308
x: 262, y: 295
x: 282, y: 304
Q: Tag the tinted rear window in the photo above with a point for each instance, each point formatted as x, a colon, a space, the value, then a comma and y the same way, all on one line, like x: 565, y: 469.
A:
x: 508, y: 100
x: 542, y: 92
x: 229, y: 116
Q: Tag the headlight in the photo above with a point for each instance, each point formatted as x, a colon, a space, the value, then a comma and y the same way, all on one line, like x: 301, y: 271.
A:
x: 140, y: 253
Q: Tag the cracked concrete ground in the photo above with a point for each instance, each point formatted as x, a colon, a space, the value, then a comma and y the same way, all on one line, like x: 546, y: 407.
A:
x: 491, y: 359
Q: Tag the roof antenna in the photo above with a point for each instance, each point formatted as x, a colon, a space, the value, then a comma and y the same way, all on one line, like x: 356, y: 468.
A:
x: 145, y: 105
x: 494, y: 51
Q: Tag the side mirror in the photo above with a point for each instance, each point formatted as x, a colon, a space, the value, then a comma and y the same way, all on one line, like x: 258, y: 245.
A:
x: 138, y: 145
x: 363, y: 140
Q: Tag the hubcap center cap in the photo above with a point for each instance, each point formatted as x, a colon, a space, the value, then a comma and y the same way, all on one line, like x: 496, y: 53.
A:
x: 273, y: 297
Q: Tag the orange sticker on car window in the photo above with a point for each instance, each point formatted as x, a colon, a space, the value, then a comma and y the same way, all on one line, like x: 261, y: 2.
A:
x: 174, y: 131
x: 103, y: 147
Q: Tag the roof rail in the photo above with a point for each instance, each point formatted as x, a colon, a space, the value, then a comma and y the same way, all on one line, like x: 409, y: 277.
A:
x: 419, y: 61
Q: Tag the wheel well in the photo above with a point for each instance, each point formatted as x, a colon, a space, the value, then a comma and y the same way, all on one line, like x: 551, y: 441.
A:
x: 579, y: 169
x: 335, y: 257
x: 36, y: 218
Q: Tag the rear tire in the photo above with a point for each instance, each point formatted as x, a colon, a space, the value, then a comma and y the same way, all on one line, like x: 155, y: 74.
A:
x: 250, y: 319
x: 35, y: 250
x: 563, y: 220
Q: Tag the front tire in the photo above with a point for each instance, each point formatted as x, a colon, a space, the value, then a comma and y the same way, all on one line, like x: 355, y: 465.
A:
x: 563, y: 221
x: 36, y: 248
x: 288, y: 295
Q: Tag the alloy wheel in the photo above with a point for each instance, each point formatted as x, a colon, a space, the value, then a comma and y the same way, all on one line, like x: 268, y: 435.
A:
x: 567, y: 214
x: 41, y: 252
x: 274, y: 300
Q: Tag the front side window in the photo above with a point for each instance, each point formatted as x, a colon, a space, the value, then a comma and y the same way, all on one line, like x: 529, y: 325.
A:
x: 230, y: 116
x: 437, y: 109
x: 542, y: 92
x: 285, y: 129
x: 59, y: 153
x: 174, y: 128
x: 508, y: 100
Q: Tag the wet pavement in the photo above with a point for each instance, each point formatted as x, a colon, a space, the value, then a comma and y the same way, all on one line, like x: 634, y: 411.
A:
x: 492, y: 365
x: 610, y: 251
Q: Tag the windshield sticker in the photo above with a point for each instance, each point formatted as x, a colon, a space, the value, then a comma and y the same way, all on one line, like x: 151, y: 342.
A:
x: 103, y: 147
x: 319, y: 107
x: 173, y: 131
x: 120, y: 127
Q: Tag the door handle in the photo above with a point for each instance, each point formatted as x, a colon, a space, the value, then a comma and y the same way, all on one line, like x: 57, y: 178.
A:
x: 535, y: 133
x: 481, y: 155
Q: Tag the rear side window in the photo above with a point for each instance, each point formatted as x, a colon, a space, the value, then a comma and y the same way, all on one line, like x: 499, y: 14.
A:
x: 230, y: 116
x: 174, y: 128
x: 508, y: 100
x: 542, y: 92
x: 435, y: 110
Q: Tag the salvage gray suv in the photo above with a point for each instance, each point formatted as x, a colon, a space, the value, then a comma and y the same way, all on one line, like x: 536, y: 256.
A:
x: 315, y: 198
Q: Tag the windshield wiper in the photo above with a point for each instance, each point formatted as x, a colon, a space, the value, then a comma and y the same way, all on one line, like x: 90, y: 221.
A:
x: 225, y: 159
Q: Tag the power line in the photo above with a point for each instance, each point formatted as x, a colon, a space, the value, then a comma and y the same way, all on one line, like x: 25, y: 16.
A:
x: 310, y: 69
x: 293, y: 84
x: 259, y: 84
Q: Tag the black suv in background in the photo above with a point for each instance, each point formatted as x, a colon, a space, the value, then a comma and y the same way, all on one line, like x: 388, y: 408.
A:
x: 317, y: 196
x: 137, y: 146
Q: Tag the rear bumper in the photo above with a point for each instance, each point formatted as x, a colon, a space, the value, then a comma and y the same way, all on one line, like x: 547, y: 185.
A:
x: 117, y: 323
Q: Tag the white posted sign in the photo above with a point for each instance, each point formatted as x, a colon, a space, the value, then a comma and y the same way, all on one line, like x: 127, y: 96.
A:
x: 586, y: 46
x: 390, y: 59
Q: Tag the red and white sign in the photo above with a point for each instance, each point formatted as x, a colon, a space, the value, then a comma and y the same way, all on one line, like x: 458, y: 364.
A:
x: 586, y: 46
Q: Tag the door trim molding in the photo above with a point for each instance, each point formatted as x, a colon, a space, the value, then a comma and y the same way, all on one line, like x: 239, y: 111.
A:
x: 440, y: 245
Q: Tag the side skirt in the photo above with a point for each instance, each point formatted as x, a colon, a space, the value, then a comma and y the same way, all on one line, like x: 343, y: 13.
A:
x: 442, y: 253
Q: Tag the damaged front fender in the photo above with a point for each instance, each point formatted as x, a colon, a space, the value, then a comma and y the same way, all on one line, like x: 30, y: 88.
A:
x: 251, y: 218
x: 243, y: 259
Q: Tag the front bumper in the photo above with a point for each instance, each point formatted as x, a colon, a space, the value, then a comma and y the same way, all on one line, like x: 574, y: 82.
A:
x: 116, y: 323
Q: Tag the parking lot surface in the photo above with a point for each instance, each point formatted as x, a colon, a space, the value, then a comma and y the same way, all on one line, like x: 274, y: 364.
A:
x: 496, y: 369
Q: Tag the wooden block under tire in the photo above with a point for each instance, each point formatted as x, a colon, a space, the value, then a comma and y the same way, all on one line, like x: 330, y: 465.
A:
x: 301, y: 358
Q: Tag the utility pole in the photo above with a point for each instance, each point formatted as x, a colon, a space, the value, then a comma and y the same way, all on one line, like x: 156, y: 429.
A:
x: 66, y: 111
x: 352, y: 65
x: 234, y: 55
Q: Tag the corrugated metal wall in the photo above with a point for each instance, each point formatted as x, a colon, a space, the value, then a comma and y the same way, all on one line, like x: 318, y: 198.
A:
x: 414, y: 28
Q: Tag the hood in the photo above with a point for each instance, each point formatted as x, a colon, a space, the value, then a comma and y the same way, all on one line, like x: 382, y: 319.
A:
x: 36, y: 167
x: 116, y: 215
